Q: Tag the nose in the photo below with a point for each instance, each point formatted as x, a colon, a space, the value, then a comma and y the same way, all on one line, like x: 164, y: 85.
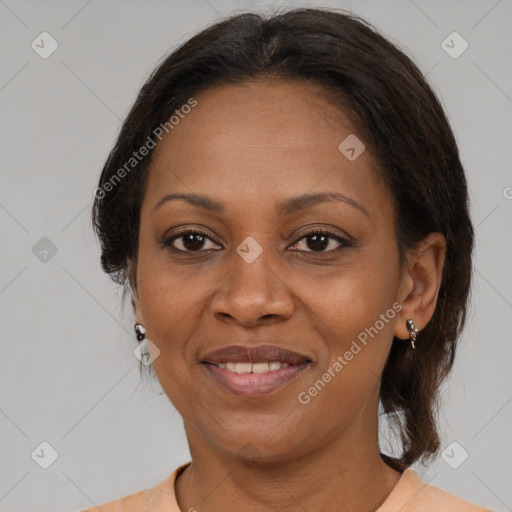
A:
x: 252, y: 294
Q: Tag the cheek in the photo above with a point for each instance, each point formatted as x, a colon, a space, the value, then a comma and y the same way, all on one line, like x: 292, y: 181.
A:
x: 168, y: 303
x: 168, y: 295
x: 354, y: 316
x: 352, y: 298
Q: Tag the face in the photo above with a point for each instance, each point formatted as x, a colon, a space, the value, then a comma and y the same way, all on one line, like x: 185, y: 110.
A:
x: 260, y: 265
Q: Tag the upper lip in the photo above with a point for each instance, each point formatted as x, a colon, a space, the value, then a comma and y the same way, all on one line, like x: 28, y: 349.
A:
x: 258, y: 354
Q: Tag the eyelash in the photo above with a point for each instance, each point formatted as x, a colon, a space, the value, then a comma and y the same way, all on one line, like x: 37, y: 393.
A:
x: 344, y: 242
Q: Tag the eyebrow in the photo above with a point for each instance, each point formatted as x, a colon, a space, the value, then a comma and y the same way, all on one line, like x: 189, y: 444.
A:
x: 287, y: 207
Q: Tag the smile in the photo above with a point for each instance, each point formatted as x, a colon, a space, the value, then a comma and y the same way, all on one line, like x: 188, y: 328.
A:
x: 256, y: 371
x: 251, y: 384
x: 253, y: 367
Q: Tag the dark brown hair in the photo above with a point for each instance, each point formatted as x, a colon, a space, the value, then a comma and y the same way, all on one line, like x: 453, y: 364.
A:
x: 401, y: 120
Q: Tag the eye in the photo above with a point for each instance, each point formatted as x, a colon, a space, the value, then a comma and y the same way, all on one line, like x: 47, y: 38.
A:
x: 188, y: 241
x: 197, y: 241
x: 320, y: 240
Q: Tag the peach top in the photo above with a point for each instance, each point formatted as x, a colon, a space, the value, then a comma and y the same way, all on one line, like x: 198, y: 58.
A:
x: 410, y: 494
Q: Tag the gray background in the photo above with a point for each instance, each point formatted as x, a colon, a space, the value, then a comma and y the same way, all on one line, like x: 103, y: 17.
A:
x: 68, y: 375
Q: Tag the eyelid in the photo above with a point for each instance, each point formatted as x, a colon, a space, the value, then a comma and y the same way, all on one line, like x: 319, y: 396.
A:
x: 166, y: 240
x: 343, y: 240
x: 332, y: 232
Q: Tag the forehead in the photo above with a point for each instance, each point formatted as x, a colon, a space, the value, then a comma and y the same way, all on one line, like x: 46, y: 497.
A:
x: 277, y: 115
x: 262, y: 139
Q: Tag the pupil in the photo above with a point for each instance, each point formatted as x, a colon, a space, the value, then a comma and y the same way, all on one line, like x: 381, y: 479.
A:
x: 316, y: 244
x: 189, y: 241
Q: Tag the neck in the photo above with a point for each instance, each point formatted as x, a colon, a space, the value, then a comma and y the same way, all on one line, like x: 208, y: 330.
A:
x: 346, y: 474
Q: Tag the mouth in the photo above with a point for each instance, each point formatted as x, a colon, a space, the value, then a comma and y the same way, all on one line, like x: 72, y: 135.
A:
x: 256, y: 371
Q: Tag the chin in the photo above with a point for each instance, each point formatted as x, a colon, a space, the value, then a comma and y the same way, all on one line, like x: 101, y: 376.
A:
x: 256, y: 446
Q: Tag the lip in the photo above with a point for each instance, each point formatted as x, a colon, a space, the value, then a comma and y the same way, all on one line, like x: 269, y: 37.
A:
x: 258, y: 354
x: 253, y: 385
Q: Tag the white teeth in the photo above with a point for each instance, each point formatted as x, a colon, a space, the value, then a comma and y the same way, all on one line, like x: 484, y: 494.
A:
x: 253, y: 367
x: 243, y: 367
x: 260, y: 368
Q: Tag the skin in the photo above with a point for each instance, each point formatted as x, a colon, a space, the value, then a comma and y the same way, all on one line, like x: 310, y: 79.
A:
x: 250, y: 147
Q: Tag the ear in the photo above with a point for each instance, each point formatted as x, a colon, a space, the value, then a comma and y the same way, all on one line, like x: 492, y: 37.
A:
x: 132, y: 276
x: 420, y: 284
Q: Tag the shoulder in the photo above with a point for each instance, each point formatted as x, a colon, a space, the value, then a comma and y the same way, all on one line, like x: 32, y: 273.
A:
x: 160, y: 498
x: 431, y: 497
x: 414, y: 495
x: 138, y: 501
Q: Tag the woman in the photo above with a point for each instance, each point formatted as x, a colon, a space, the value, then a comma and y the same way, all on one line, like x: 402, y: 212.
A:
x: 286, y: 205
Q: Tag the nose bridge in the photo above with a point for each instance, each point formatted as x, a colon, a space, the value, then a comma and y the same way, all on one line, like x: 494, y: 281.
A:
x: 252, y: 290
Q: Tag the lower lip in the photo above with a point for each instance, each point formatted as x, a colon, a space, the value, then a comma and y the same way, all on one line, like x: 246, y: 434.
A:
x: 252, y: 385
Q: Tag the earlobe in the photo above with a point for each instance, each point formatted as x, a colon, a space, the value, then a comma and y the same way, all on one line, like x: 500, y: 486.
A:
x: 422, y: 283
